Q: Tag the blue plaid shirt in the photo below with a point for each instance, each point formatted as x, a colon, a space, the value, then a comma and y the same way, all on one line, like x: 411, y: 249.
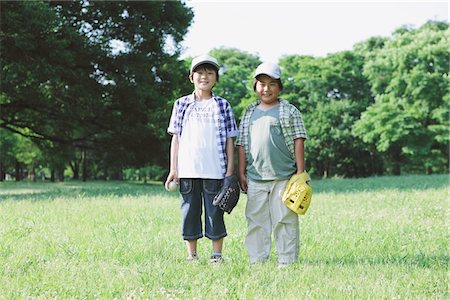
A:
x: 224, y: 121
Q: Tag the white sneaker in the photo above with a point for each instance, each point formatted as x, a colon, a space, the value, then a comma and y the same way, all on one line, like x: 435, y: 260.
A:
x: 216, y: 259
x: 192, y: 257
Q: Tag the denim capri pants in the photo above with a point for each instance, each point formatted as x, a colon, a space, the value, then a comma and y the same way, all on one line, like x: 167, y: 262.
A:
x: 195, y: 194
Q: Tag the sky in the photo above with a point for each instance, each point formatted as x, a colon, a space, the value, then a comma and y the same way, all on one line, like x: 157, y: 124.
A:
x: 271, y: 29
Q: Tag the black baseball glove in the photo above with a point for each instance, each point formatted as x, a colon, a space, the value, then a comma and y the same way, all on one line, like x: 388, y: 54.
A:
x: 228, y: 196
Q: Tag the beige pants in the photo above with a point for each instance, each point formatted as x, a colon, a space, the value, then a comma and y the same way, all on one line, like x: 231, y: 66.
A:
x: 266, y: 213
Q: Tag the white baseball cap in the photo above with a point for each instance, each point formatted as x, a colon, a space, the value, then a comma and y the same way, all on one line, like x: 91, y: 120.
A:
x: 204, y: 59
x: 269, y: 69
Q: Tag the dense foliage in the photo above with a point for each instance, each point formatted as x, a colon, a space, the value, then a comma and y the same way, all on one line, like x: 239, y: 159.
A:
x: 88, y: 81
x: 87, y: 88
x: 409, y: 120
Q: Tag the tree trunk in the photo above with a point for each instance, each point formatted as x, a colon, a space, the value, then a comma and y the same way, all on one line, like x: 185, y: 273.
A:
x: 397, y: 157
x: 118, y: 174
x: 84, y: 164
x: 52, y: 175
x: 397, y: 169
x: 105, y: 173
x: 61, y: 174
x: 18, y: 174
x: 2, y: 172
x: 32, y: 174
x: 75, y: 166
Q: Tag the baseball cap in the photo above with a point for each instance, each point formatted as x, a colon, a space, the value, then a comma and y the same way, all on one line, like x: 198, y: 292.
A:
x: 204, y: 59
x: 269, y: 69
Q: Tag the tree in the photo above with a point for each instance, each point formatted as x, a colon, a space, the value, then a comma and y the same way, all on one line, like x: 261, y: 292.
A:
x: 236, y: 84
x: 64, y: 82
x: 409, y: 118
x: 8, y: 148
x: 38, y: 97
x: 331, y: 93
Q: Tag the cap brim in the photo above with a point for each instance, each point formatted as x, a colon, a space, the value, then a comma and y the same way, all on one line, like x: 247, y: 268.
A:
x: 205, y: 62
x: 270, y: 75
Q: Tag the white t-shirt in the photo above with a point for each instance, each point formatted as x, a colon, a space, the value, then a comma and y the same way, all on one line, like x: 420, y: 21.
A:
x: 198, y: 153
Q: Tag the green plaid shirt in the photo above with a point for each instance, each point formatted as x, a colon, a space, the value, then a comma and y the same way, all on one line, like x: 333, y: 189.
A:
x: 291, y: 124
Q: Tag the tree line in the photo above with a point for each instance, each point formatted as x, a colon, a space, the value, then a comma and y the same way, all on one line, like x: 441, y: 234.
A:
x: 87, y: 89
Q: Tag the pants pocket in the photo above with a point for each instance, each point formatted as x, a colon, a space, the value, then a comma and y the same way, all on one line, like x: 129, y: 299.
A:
x: 185, y: 186
x: 212, y: 186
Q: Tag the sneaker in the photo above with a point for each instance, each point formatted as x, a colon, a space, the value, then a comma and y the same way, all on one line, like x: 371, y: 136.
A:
x: 192, y: 257
x: 216, y: 259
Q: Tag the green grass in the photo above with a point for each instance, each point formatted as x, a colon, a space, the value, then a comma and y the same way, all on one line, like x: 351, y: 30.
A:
x: 372, y: 238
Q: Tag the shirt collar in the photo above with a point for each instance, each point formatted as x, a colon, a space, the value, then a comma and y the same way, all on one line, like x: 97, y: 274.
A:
x: 191, y: 97
x: 256, y: 103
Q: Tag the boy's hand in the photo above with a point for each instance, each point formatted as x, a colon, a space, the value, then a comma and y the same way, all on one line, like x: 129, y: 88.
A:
x: 229, y: 193
x: 243, y: 183
x: 298, y: 193
x: 173, y: 176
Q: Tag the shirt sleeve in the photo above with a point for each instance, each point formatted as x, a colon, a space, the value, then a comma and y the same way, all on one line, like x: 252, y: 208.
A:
x: 240, y: 139
x: 230, y: 121
x: 174, y: 127
x: 297, y: 125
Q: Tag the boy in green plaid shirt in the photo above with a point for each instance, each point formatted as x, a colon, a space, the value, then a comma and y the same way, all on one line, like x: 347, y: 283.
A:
x: 270, y: 150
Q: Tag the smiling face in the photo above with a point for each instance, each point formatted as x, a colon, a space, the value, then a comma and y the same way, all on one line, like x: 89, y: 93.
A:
x: 267, y: 89
x: 204, y: 77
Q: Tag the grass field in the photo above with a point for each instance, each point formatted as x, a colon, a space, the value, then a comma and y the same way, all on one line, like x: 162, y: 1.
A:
x: 372, y: 238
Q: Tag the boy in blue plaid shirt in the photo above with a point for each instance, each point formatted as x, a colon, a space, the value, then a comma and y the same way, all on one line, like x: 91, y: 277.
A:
x: 202, y: 126
x: 270, y: 151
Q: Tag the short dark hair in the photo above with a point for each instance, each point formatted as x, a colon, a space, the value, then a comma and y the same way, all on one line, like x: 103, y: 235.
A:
x: 280, y: 84
x: 208, y: 67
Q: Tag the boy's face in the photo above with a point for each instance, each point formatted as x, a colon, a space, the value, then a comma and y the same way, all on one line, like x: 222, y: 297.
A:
x: 267, y: 89
x: 204, y: 78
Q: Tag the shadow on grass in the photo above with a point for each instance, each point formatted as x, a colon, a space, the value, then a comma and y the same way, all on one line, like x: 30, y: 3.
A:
x: 407, y: 182
x: 419, y: 260
x: 73, y: 189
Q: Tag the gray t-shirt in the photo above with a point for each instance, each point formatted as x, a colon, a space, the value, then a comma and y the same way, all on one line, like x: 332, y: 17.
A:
x: 269, y: 157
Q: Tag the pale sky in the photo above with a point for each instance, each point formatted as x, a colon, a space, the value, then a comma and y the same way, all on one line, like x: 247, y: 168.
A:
x: 271, y: 29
